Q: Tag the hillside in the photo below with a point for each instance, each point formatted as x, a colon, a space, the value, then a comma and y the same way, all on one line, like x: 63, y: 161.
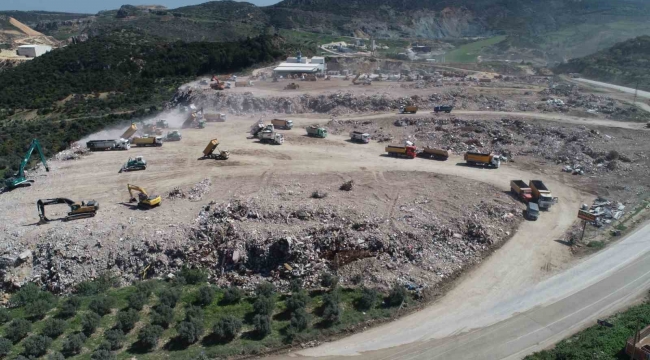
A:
x: 625, y: 63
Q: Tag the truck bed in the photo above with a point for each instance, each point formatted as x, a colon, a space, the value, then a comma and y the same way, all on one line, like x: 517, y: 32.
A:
x: 539, y: 185
x: 520, y: 184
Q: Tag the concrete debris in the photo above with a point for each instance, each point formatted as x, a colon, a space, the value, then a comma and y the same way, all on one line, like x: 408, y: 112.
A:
x: 198, y: 190
x: 605, y: 211
x: 75, y: 152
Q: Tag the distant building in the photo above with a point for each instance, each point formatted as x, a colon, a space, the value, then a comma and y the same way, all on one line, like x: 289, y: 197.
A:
x: 301, y: 65
x: 33, y: 50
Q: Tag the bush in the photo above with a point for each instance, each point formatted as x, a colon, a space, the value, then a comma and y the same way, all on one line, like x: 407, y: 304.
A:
x: 162, y: 315
x: 29, y: 294
x: 264, y: 306
x: 102, y: 354
x: 193, y: 312
x: 89, y: 322
x: 265, y: 289
x: 5, y: 346
x: 70, y: 307
x: 56, y: 356
x: 190, y: 331
x: 295, y: 285
x: 193, y: 276
x: 299, y: 320
x: 145, y: 287
x: 114, y: 338
x: 73, y: 344
x: 169, y: 296
x: 612, y: 155
x: 331, y: 308
x: 227, y: 327
x: 97, y: 286
x: 38, y: 309
x: 149, y: 335
x: 17, y: 330
x: 262, y: 325
x: 137, y: 300
x: 233, y: 295
x: 317, y: 194
x: 101, y: 305
x: 397, y: 295
x: 205, y: 296
x: 297, y: 301
x: 368, y: 299
x: 5, y: 316
x: 329, y: 280
x: 36, y: 345
x: 126, y: 320
x: 53, y: 328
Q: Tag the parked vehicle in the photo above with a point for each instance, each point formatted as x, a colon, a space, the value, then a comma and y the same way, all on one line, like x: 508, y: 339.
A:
x: 521, y: 190
x: 148, y: 141
x: 360, y: 137
x: 542, y: 195
x: 316, y: 131
x: 532, y: 211
x: 482, y: 159
x: 282, y: 124
x: 433, y: 153
x: 443, y: 108
x: 409, y: 109
x: 214, y: 117
x: 271, y: 137
x: 107, y: 145
x: 402, y: 151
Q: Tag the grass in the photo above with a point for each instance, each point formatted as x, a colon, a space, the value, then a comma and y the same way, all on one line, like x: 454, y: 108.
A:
x: 469, y: 53
x: 596, y: 245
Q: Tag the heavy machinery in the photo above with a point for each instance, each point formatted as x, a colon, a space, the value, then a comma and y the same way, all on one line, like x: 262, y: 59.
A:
x: 408, y: 109
x: 209, y: 151
x: 354, y: 81
x: 268, y: 135
x: 434, y: 153
x: 542, y: 195
x: 360, y: 137
x: 292, y: 86
x: 217, y: 85
x: 134, y: 164
x: 19, y: 178
x: 148, y: 141
x: 107, y: 145
x: 173, y: 135
x: 77, y: 210
x: 130, y: 131
x: 408, y: 151
x: 214, y: 117
x: 316, y: 131
x: 521, y: 190
x: 476, y: 158
x: 201, y: 124
x: 443, y: 108
x: 282, y: 124
x: 257, y: 127
x: 145, y: 201
x: 194, y: 120
x: 151, y: 129
x: 162, y: 124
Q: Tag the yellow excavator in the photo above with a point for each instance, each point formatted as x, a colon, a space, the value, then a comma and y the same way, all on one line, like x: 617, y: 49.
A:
x: 77, y: 210
x: 144, y: 200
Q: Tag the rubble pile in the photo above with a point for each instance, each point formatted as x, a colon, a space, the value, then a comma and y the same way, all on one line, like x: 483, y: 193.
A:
x: 197, y: 191
x: 75, y: 152
x: 605, y: 211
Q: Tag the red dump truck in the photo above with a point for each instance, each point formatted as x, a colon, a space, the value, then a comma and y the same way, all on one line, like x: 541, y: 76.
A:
x: 521, y: 190
x: 482, y: 159
x: 402, y: 151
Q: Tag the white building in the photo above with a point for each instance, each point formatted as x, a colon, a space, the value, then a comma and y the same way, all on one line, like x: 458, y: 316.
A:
x: 301, y: 65
x: 33, y: 50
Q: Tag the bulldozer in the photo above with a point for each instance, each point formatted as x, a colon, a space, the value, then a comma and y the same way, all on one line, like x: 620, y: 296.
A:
x: 19, y: 179
x: 145, y: 201
x: 174, y: 135
x: 77, y: 210
x: 292, y: 86
x: 212, y: 152
x: 135, y: 164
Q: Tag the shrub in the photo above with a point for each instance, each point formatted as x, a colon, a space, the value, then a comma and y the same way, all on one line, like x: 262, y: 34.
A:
x: 329, y: 280
x: 96, y: 286
x: 126, y: 319
x: 331, y: 308
x: 169, y: 296
x: 89, y: 322
x: 70, y: 307
x: 262, y: 325
x: 101, y: 305
x: 53, y: 328
x: 162, y: 315
x: 193, y: 276
x: 149, y: 335
x: 264, y: 305
x: 73, y: 344
x: 56, y: 356
x: 145, y: 287
x: 5, y: 346
x: 38, y: 309
x: 102, y: 354
x: 190, y: 330
x: 36, y: 345
x: 233, y: 295
x: 297, y: 301
x: 299, y: 320
x: 295, y: 285
x: 29, y: 294
x: 17, y: 330
x: 193, y: 312
x: 317, y: 194
x: 265, y: 289
x: 114, y: 338
x: 5, y: 316
x: 368, y: 299
x: 137, y: 300
x: 612, y: 155
x: 227, y: 327
x: 397, y: 295
x: 205, y: 296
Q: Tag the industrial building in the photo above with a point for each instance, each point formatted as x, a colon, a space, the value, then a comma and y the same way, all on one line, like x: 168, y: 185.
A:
x: 301, y: 65
x: 33, y: 50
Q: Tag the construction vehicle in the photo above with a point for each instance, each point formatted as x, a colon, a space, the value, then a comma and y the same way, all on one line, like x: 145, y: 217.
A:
x: 292, y: 86
x: 532, y: 211
x: 209, y: 151
x: 194, y: 120
x: 257, y: 127
x: 201, y: 124
x: 360, y: 137
x: 107, y: 145
x: 434, y: 153
x: 162, y: 124
x: 214, y: 117
x: 173, y: 135
x: 148, y: 141
x: 151, y: 129
x: 520, y: 189
x: 19, y: 178
x: 476, y: 158
x: 408, y: 109
x: 77, y: 210
x: 282, y: 124
x: 316, y: 131
x: 145, y: 201
x: 129, y: 132
x: 443, y: 108
x: 408, y: 151
x: 135, y: 164
x: 217, y: 85
x: 270, y: 136
x: 541, y: 194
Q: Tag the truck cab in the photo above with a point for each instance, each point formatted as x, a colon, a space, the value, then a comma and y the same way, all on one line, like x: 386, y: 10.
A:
x: 532, y: 211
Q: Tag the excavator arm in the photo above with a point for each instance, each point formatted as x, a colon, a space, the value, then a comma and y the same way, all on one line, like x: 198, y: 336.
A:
x: 19, y: 178
x: 145, y: 201
x: 136, y: 188
x: 40, y: 204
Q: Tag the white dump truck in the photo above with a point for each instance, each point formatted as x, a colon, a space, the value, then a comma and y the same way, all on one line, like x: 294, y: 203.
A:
x: 107, y: 145
x: 269, y: 136
x: 360, y: 137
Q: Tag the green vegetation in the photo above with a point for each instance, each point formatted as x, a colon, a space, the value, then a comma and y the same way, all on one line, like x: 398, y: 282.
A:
x: 468, y: 53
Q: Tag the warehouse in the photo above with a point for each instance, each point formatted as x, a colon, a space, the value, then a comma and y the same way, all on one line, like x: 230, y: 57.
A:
x: 300, y: 65
x: 33, y: 50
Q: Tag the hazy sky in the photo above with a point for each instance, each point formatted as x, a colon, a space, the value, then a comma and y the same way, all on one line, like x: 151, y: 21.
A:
x: 93, y: 6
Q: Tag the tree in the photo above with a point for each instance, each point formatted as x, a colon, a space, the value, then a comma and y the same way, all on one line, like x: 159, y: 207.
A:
x: 38, y: 309
x: 193, y: 312
x: 53, y: 328
x: 102, y: 354
x: 298, y: 300
x: 114, y: 338
x: 29, y: 294
x: 193, y: 276
x: 227, y: 327
x: 295, y: 285
x: 73, y: 344
x: 299, y: 320
x: 126, y: 319
x: 137, y: 300
x: 264, y: 305
x: 262, y: 325
x: 17, y: 330
x: 162, y: 315
x: 265, y: 289
x: 149, y: 335
x: 5, y: 316
x: 169, y: 296
x: 331, y: 308
x: 205, y: 296
x: 5, y: 346
x: 397, y: 295
x: 89, y: 322
x: 56, y: 356
x: 190, y: 330
x: 368, y: 299
x: 145, y: 287
x: 96, y: 286
x: 70, y: 307
x: 233, y: 295
x: 36, y: 345
x: 101, y: 305
x: 328, y: 280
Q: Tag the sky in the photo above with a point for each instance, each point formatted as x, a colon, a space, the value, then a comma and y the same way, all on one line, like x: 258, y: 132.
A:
x: 93, y: 6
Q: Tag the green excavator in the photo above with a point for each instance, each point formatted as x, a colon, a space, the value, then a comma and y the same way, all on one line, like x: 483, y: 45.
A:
x: 19, y: 179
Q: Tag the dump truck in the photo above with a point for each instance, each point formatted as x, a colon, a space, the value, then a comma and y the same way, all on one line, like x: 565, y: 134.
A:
x: 215, y: 117
x: 434, y: 153
x: 443, y: 108
x: 148, y: 141
x: 520, y: 189
x: 541, y: 194
x: 151, y: 129
x: 173, y: 135
x: 107, y: 145
x: 482, y: 159
x: 360, y: 137
x: 257, y: 127
x: 316, y: 131
x: 211, y: 151
x: 409, y: 109
x: 407, y: 151
x: 130, y: 131
x: 270, y: 137
x: 282, y: 124
x: 162, y: 124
